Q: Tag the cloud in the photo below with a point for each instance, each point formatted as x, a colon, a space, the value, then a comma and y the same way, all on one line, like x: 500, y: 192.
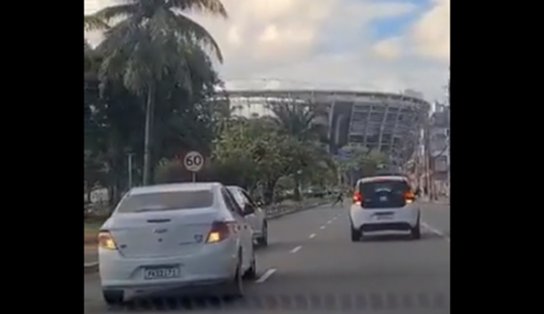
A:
x: 268, y: 31
x: 90, y: 7
x: 431, y: 34
x: 389, y: 49
x: 330, y: 44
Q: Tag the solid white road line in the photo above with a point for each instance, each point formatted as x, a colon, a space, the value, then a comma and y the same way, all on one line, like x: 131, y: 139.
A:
x: 296, y: 249
x: 265, y: 276
x: 322, y: 227
x: 312, y: 236
x: 435, y: 231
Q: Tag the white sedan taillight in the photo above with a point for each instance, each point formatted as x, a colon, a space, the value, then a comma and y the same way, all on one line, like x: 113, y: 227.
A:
x: 220, y: 231
x: 106, y: 241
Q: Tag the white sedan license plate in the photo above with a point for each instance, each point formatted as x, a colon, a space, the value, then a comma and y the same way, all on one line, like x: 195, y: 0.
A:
x: 166, y: 272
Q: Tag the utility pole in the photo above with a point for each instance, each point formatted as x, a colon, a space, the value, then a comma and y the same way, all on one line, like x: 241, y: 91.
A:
x: 130, y: 170
x: 148, y: 134
x: 428, y: 158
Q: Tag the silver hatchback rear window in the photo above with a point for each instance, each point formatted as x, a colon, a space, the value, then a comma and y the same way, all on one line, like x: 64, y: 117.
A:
x: 384, y: 193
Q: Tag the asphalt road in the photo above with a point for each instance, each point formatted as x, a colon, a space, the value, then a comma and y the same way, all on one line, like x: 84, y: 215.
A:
x: 311, y: 266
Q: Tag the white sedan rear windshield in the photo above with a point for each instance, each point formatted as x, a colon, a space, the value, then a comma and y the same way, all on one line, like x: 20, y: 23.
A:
x: 161, y: 201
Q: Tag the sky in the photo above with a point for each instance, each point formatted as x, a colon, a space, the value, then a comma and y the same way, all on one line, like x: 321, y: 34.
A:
x: 367, y: 45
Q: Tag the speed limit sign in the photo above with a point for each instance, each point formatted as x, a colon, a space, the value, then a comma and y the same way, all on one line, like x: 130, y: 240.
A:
x: 193, y: 161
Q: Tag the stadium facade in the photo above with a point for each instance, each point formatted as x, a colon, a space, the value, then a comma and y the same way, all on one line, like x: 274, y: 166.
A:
x: 391, y: 123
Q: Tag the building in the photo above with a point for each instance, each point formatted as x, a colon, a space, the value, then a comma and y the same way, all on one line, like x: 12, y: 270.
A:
x: 439, y: 149
x: 388, y: 122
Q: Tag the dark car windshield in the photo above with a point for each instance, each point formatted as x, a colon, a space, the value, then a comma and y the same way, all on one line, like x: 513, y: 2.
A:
x: 160, y: 201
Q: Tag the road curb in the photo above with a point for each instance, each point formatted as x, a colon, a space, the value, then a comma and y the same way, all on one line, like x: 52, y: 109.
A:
x: 436, y: 203
x: 288, y: 212
x: 90, y: 267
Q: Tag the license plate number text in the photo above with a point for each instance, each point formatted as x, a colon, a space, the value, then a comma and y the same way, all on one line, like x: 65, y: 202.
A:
x: 161, y: 273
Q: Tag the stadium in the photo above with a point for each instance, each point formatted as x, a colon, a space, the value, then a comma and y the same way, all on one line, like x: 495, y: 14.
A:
x: 389, y: 122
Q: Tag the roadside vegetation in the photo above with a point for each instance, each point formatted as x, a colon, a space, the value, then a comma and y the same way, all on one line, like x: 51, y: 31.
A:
x: 148, y: 94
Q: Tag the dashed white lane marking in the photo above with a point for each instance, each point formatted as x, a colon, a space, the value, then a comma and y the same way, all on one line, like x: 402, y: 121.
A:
x: 266, y: 275
x: 322, y: 227
x: 435, y: 231
x: 329, y: 222
x: 312, y: 236
x: 296, y: 249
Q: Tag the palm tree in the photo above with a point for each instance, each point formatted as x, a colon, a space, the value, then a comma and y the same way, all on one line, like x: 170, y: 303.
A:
x: 152, y: 42
x: 91, y: 22
x: 295, y: 119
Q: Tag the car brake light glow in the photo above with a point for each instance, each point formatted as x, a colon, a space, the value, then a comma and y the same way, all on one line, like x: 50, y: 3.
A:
x: 106, y: 241
x: 358, y: 198
x: 409, y: 197
x: 220, y: 231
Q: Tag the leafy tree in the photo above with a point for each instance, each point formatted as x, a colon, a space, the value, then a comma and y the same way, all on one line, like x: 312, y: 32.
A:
x: 95, y: 171
x: 361, y: 162
x: 371, y: 162
x: 320, y: 169
x: 112, y: 127
x: 250, y: 153
x: 231, y: 158
x: 255, y: 153
x: 187, y: 121
x: 154, y: 42
x: 170, y: 171
x: 296, y: 120
x: 95, y: 167
x: 116, y: 132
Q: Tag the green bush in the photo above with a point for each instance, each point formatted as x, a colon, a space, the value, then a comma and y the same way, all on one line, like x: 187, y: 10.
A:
x: 171, y: 171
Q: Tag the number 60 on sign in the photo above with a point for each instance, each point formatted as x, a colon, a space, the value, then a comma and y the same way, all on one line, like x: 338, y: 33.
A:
x: 193, y: 161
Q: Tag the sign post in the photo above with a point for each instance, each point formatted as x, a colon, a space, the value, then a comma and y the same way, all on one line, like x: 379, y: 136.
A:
x: 193, y: 161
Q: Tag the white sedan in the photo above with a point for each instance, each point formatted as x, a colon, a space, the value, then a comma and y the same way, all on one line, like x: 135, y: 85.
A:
x: 255, y: 216
x: 173, y: 236
x: 384, y: 203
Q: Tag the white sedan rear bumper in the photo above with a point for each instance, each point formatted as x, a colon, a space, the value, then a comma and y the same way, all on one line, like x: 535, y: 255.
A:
x: 214, y: 263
